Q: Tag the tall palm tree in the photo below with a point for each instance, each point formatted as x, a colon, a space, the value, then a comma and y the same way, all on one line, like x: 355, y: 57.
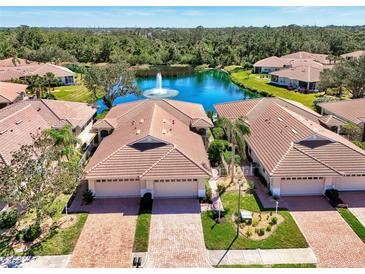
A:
x: 235, y: 131
x: 49, y: 78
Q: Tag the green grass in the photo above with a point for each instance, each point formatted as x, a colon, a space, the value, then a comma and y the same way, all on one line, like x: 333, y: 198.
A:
x: 269, y: 266
x: 142, y: 233
x: 72, y: 93
x: 353, y: 222
x: 60, y: 242
x: 222, y: 236
x: 254, y: 82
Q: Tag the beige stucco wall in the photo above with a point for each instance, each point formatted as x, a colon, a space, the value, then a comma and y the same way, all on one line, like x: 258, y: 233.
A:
x: 350, y: 183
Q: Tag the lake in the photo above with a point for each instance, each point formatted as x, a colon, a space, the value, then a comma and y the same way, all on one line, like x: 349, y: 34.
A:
x: 206, y: 88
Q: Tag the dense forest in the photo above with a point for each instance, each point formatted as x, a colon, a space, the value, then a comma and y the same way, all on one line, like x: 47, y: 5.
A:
x: 218, y: 46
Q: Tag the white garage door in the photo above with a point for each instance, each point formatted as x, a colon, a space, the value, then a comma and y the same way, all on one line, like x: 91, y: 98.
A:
x: 302, y: 187
x: 117, y: 189
x: 175, y: 189
x: 350, y: 183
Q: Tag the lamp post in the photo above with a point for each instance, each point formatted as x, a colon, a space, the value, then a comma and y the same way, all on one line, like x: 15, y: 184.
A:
x: 276, y: 206
x: 239, y: 207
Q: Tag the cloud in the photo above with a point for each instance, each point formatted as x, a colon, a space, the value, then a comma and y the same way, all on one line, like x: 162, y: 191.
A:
x: 191, y: 13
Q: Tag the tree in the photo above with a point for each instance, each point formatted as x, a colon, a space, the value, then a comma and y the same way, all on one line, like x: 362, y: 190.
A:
x: 49, y: 78
x: 37, y: 175
x: 65, y: 141
x: 114, y: 80
x: 235, y: 132
x: 36, y: 85
x: 352, y: 131
x: 216, y: 148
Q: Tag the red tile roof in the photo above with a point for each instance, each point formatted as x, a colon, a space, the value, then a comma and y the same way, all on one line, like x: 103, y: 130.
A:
x: 125, y: 152
x: 288, y: 144
x: 21, y: 120
x: 9, y: 92
x: 300, y: 73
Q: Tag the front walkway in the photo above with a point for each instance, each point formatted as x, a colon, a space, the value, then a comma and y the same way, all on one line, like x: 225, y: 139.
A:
x: 262, y: 256
x: 107, y: 238
x: 176, y: 235
x: 331, y: 238
x: 356, y: 202
x: 34, y: 261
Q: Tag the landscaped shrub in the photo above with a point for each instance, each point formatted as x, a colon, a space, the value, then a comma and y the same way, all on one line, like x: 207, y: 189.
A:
x: 32, y: 232
x: 274, y: 221
x: 261, y: 231
x: 88, y: 196
x: 255, y: 222
x: 268, y: 228
x: 8, y: 218
x: 218, y: 133
x: 216, y: 148
x: 208, y: 192
x: 360, y: 144
x: 332, y: 194
x: 221, y: 189
x: 249, y: 232
x: 251, y: 185
x: 146, y: 203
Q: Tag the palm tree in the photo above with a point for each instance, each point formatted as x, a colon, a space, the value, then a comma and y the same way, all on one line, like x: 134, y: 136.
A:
x: 235, y: 131
x: 66, y: 140
x: 49, y: 78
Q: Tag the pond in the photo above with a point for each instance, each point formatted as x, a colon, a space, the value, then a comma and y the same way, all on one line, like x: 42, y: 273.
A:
x: 206, y: 88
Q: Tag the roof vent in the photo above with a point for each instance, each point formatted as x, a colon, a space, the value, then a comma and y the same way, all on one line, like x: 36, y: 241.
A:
x: 141, y: 122
x: 18, y: 122
x: 294, y: 131
x: 280, y: 119
x: 164, y: 131
x: 138, y: 132
x: 38, y: 109
x: 164, y: 121
x: 3, y: 131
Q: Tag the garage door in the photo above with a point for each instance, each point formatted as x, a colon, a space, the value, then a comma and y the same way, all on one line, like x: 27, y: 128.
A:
x: 302, y: 187
x: 175, y: 189
x: 349, y: 183
x: 117, y: 189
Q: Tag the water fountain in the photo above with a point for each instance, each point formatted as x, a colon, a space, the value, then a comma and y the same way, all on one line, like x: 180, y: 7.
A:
x: 159, y: 92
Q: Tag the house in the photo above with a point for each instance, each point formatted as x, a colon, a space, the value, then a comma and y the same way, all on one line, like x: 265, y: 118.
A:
x: 349, y: 111
x: 294, y: 154
x: 301, y: 55
x: 21, y: 121
x: 10, y: 93
x: 300, y: 77
x: 270, y: 64
x: 150, y: 146
x: 21, y: 69
x: 353, y: 55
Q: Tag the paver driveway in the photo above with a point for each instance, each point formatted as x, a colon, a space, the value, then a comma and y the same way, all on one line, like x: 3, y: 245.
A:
x: 176, y: 235
x: 331, y: 238
x: 356, y: 202
x: 108, y: 235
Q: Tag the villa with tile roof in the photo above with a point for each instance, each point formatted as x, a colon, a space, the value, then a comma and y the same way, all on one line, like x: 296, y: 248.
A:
x: 22, y: 121
x: 347, y: 111
x: 153, y: 146
x: 10, y: 93
x: 11, y: 69
x: 293, y: 152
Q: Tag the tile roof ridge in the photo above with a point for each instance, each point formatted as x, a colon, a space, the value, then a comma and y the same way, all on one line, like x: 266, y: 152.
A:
x: 261, y: 99
x: 16, y: 112
x: 132, y: 108
x: 44, y: 103
x: 5, y: 98
x: 106, y: 158
x: 319, y: 161
x: 152, y: 123
x: 2, y: 158
x: 159, y: 160
x: 282, y: 158
x: 199, y: 166
x: 168, y: 102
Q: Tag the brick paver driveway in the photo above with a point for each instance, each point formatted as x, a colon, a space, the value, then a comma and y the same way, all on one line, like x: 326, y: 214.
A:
x: 176, y: 235
x: 356, y: 202
x: 331, y: 238
x: 108, y: 235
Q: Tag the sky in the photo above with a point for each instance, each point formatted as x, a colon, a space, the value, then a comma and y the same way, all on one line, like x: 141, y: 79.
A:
x: 179, y: 16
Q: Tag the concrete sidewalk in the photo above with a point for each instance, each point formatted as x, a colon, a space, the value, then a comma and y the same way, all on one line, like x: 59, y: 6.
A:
x: 34, y: 261
x: 262, y: 256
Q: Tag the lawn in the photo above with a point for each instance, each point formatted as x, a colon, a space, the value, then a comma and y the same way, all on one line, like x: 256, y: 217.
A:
x: 60, y: 242
x: 353, y: 222
x: 269, y: 266
x: 141, y: 236
x: 222, y: 236
x: 254, y: 82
